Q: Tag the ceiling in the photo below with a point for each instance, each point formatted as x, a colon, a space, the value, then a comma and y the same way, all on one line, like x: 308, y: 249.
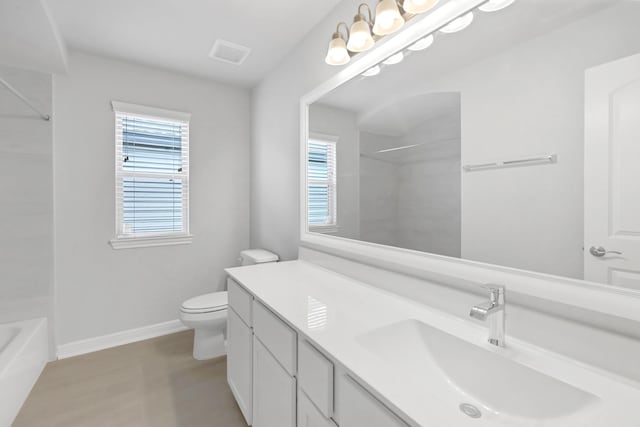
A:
x: 400, y: 118
x: 28, y: 37
x: 175, y: 35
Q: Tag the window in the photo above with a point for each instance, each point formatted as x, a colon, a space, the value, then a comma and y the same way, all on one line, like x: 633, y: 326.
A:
x: 152, y: 176
x: 321, y: 181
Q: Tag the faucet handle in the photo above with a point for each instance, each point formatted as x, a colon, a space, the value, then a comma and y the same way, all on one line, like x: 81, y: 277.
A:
x: 492, y: 287
x: 496, y: 292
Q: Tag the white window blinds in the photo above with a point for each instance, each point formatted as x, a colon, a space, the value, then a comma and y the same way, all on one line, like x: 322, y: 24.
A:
x: 152, y: 171
x: 321, y: 181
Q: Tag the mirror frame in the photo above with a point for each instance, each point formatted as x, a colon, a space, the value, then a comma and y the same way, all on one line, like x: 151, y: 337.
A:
x: 591, y: 296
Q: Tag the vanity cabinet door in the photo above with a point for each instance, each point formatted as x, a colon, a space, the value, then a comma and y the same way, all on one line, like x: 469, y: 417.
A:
x: 239, y: 363
x: 309, y: 415
x: 274, y: 390
x: 356, y: 407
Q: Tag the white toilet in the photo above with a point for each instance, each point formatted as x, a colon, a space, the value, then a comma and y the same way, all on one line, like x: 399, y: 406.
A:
x: 207, y: 314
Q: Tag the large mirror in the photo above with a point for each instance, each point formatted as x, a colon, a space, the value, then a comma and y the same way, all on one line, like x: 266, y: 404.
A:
x: 515, y: 142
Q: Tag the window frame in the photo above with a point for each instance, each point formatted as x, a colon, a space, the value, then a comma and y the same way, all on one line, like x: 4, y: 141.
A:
x: 123, y: 240
x: 332, y: 183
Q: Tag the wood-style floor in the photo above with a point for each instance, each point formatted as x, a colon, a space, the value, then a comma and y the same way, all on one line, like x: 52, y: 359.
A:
x: 149, y: 383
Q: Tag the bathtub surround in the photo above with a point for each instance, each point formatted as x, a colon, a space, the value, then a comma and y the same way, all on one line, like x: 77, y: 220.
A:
x: 24, y: 351
x: 114, y: 293
x: 26, y: 194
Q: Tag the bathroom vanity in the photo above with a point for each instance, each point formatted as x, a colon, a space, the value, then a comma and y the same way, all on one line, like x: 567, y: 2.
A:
x: 310, y: 347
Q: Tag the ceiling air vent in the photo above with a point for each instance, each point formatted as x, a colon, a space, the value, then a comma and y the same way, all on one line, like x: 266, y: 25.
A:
x: 228, y: 52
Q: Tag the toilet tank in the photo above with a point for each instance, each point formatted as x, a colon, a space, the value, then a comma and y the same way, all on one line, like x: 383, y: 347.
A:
x: 257, y: 256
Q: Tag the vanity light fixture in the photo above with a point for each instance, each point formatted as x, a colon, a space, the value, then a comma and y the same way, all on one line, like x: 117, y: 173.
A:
x: 337, y: 54
x: 360, y: 38
x: 495, y: 5
x: 422, y: 44
x: 418, y: 6
x: 373, y: 71
x: 458, y: 24
x: 388, y: 18
x: 394, y: 59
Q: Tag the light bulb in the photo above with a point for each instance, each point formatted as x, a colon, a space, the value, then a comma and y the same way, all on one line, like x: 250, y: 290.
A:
x: 360, y: 38
x: 422, y: 44
x: 495, y: 5
x: 394, y: 59
x: 385, y: 20
x: 337, y: 53
x: 388, y: 18
x: 418, y: 6
x: 358, y: 42
x: 373, y: 71
x: 458, y: 24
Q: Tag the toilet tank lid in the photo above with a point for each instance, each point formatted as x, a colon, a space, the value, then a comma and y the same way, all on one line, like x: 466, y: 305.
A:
x: 206, y: 301
x: 259, y: 255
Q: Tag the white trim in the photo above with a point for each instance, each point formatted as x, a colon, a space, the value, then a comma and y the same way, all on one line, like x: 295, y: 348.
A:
x: 121, y: 174
x: 150, y: 112
x: 324, y: 137
x: 618, y: 302
x: 150, y: 241
x: 332, y: 228
x: 90, y: 345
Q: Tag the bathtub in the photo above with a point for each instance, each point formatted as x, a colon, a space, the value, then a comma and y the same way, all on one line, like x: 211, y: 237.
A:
x: 23, y: 354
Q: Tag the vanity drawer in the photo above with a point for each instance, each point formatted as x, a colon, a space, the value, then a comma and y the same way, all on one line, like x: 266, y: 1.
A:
x: 356, y: 407
x: 315, y: 377
x: 276, y: 336
x: 239, y: 300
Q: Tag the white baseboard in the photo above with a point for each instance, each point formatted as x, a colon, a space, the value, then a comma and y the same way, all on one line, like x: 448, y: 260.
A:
x: 90, y: 345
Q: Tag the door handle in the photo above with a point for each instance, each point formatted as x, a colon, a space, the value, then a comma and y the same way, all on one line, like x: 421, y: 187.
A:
x: 599, y: 251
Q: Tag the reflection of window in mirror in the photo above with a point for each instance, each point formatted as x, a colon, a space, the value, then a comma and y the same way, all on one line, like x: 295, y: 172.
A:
x: 321, y: 180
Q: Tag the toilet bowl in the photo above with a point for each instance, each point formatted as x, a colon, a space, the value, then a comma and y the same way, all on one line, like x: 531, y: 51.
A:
x: 207, y: 315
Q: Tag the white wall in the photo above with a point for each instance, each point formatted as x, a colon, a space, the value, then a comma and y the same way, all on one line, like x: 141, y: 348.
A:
x: 26, y: 198
x: 101, y: 290
x: 525, y: 102
x: 342, y: 124
x: 276, y: 137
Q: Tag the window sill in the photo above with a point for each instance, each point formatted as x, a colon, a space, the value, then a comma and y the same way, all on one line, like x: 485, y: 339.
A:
x: 150, y: 241
x: 323, y: 228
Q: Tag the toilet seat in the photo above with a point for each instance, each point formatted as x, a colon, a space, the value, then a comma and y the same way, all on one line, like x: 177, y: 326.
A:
x: 207, y: 303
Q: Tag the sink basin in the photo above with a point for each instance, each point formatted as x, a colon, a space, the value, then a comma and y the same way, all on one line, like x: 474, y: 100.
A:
x: 475, y: 373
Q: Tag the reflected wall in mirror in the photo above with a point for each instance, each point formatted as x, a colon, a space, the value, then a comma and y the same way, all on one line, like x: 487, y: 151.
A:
x: 514, y: 142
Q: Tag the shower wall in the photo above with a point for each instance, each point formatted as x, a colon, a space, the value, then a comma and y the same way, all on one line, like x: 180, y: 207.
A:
x: 412, y: 198
x: 26, y: 198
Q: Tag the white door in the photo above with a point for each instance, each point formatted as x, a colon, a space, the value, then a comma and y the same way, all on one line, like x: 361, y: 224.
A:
x: 274, y: 390
x: 239, y: 363
x: 612, y: 173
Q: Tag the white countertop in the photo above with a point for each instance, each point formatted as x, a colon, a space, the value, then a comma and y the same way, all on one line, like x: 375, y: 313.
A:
x: 333, y: 311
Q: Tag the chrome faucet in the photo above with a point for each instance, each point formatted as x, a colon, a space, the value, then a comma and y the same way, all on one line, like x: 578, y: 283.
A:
x: 494, y: 310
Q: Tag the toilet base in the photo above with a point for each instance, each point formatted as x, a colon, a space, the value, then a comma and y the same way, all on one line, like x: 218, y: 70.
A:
x: 208, y: 344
